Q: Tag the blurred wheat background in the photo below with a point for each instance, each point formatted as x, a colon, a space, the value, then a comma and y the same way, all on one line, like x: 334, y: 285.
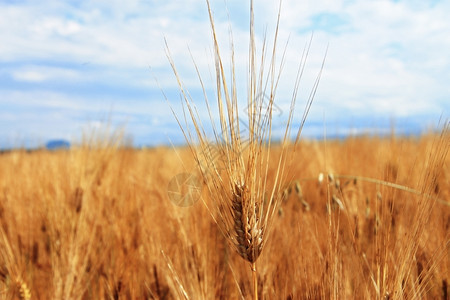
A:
x: 96, y: 222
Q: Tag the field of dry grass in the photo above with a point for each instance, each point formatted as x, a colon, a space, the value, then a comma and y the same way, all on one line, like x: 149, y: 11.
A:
x: 97, y: 223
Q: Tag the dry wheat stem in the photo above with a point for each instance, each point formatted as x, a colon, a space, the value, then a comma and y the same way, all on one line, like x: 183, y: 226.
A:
x: 238, y: 181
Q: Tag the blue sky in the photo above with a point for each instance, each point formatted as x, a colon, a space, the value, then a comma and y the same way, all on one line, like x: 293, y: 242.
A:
x: 69, y: 67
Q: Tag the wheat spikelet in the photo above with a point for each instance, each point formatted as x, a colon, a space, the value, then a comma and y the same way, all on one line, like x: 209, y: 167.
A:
x: 238, y: 181
x: 249, y: 234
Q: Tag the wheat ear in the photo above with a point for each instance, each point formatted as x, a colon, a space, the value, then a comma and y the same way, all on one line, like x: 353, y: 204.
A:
x: 236, y: 174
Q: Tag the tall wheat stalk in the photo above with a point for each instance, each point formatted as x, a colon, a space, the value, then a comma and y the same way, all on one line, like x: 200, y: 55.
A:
x: 235, y: 168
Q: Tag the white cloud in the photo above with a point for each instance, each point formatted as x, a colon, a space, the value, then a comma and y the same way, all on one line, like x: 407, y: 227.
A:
x: 34, y: 73
x: 49, y: 26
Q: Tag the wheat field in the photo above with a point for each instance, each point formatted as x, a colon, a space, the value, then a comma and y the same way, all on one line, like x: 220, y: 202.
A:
x: 97, y: 222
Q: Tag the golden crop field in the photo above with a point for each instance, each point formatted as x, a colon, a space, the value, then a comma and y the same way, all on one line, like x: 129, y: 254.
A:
x: 97, y: 222
x: 263, y: 215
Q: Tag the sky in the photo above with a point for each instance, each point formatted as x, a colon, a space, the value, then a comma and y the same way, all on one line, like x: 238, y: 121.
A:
x: 70, y: 68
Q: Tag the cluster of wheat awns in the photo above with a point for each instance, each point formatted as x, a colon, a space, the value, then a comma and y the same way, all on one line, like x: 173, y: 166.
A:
x: 235, y: 167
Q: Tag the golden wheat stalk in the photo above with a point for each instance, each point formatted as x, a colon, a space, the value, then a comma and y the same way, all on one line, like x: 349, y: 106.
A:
x: 238, y: 180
